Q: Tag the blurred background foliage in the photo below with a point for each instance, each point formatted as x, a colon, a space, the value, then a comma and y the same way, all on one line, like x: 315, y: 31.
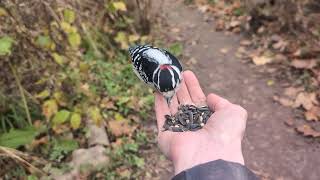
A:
x: 64, y: 63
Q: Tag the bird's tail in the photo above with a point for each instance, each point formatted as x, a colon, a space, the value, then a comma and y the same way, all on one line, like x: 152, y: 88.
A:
x: 132, y: 48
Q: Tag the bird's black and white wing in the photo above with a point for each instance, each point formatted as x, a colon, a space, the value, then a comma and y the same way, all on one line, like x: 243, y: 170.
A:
x: 143, y: 65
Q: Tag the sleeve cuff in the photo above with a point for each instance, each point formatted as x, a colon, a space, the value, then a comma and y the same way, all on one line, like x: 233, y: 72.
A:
x: 218, y: 169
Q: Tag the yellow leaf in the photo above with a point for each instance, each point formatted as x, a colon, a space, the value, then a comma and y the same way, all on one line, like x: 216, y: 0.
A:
x: 49, y: 108
x: 75, y: 120
x: 58, y: 58
x: 84, y: 67
x: 121, y: 38
x: 60, y: 98
x: 120, y: 6
x: 118, y: 117
x: 94, y: 113
x: 43, y: 94
x: 3, y: 12
x: 69, y: 15
x: 133, y: 38
x: 67, y: 28
x: 270, y: 82
x: 74, y: 39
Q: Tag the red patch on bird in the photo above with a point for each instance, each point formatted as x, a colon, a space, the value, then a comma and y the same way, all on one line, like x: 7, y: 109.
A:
x: 163, y: 67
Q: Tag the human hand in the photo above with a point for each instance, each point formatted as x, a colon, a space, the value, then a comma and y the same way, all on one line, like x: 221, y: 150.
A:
x: 220, y: 138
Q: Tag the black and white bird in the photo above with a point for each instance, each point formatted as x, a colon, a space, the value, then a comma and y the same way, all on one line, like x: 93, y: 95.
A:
x: 158, y: 68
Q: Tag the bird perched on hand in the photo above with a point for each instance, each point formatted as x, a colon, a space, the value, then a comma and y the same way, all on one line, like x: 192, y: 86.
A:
x: 158, y: 68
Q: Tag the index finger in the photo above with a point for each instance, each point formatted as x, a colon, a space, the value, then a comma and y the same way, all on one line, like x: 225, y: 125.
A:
x: 194, y: 88
x: 162, y: 109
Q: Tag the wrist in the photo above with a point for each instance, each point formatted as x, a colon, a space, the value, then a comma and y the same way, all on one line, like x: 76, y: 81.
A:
x: 228, y: 151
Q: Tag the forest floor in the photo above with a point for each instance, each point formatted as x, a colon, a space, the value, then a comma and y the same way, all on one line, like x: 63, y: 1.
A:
x: 272, y: 149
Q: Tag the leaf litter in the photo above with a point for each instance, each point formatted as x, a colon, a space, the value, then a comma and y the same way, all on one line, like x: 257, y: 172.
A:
x: 291, y: 52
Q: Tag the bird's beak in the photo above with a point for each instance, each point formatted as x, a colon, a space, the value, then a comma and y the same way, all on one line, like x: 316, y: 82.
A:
x: 168, y: 99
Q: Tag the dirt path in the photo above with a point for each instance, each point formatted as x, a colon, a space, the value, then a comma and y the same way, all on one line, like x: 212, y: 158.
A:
x: 270, y: 148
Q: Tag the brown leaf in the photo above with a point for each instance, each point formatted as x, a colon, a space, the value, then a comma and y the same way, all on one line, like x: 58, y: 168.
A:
x: 175, y: 30
x: 313, y: 114
x: 224, y: 50
x: 119, y: 128
x: 306, y: 100
x: 108, y: 104
x: 261, y: 60
x: 219, y: 25
x: 289, y: 122
x: 307, y: 131
x: 292, y: 92
x: 245, y: 43
x: 283, y: 101
x: 235, y: 23
x: 304, y: 64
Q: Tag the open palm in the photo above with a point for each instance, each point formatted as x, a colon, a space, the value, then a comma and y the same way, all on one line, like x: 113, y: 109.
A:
x: 220, y: 138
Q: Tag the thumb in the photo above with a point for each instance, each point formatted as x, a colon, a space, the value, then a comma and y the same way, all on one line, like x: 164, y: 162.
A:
x: 216, y: 102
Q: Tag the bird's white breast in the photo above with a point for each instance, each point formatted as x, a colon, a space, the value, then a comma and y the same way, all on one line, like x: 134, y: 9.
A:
x: 158, y: 56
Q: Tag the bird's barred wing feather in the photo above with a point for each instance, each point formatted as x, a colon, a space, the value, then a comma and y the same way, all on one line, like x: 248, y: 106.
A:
x: 144, y: 67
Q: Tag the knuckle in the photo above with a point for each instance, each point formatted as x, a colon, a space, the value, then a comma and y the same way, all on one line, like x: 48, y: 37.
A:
x: 241, y: 110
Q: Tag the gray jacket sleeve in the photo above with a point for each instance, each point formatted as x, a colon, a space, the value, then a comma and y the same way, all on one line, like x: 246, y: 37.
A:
x: 217, y: 170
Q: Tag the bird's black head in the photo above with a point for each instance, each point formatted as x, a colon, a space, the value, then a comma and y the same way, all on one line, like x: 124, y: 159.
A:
x: 167, y: 78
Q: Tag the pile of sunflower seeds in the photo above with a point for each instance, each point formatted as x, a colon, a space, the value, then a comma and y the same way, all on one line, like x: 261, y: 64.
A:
x: 188, y: 118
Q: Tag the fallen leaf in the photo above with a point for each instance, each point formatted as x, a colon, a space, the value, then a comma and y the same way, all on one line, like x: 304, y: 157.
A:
x: 304, y: 64
x: 280, y: 58
x: 49, y: 108
x: 133, y: 38
x: 203, y: 8
x: 119, y: 128
x: 306, y: 100
x: 289, y: 122
x: 60, y: 117
x: 281, y: 45
x: 74, y: 39
x: 234, y: 23
x: 261, y: 30
x: 108, y: 104
x: 122, y: 39
x: 219, y: 25
x: 292, y: 92
x: 43, y: 94
x: 5, y: 45
x: 118, y: 117
x: 270, y: 82
x: 245, y: 43
x: 261, y: 60
x: 283, y: 101
x: 3, y: 12
x: 175, y: 30
x: 121, y: 6
x: 308, y: 131
x: 224, y: 50
x: 75, y: 120
x: 58, y: 58
x: 69, y: 15
x: 313, y: 114
x: 95, y: 115
x: 36, y: 142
